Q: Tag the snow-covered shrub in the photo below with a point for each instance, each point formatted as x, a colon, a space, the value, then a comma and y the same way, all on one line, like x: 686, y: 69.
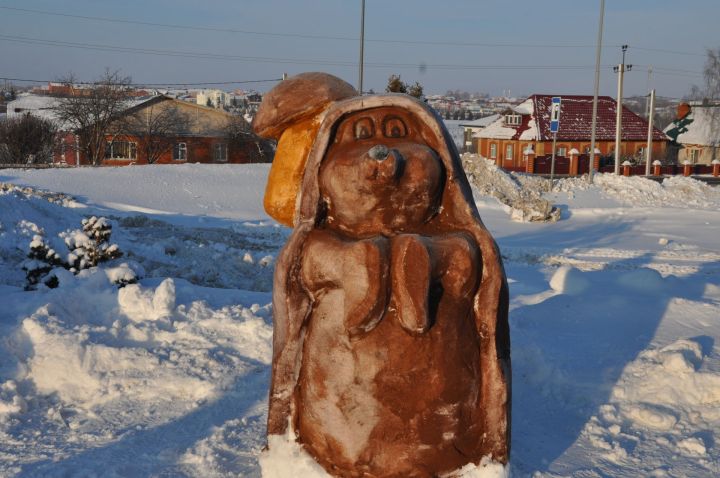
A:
x: 41, y: 260
x: 90, y: 246
x: 87, y: 248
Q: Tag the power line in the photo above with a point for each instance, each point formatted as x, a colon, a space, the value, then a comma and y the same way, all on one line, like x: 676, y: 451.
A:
x: 672, y: 52
x: 158, y: 52
x: 263, y: 59
x: 660, y: 70
x: 240, y: 82
x: 305, y: 36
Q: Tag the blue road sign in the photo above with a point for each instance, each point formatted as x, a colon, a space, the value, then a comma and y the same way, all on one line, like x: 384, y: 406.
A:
x: 555, y: 115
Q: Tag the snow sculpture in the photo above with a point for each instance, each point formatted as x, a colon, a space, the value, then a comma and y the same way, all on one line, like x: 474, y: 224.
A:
x: 391, y: 352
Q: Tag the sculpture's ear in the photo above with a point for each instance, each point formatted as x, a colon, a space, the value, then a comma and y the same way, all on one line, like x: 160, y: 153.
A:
x: 291, y: 113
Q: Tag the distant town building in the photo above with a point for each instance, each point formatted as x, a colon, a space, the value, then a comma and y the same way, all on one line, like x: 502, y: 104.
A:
x: 695, y: 133
x: 472, y: 128
x: 213, y: 98
x: 525, y: 128
x: 206, y: 136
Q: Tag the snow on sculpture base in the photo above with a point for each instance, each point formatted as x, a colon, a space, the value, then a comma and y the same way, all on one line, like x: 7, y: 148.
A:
x: 286, y: 457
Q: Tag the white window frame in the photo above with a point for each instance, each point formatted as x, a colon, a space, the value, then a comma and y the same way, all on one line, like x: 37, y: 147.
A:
x: 220, y: 152
x: 180, y: 152
x: 509, y: 150
x: 493, y: 150
x: 113, y: 146
x: 513, y: 120
x: 562, y: 151
x: 694, y: 155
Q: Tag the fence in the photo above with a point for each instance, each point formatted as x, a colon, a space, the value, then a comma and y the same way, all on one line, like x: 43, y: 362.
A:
x: 543, y: 164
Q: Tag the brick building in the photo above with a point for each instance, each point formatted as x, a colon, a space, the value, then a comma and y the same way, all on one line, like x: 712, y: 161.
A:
x: 525, y: 128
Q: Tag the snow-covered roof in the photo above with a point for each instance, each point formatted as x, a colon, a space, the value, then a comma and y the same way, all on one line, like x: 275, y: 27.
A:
x: 700, y: 127
x: 43, y: 106
x: 575, y: 121
x: 37, y: 105
x: 480, y: 122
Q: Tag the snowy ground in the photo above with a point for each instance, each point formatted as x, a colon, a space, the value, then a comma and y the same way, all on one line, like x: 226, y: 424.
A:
x: 615, y: 317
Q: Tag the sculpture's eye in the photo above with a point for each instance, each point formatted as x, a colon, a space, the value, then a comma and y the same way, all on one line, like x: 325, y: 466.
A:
x: 364, y: 128
x: 393, y: 127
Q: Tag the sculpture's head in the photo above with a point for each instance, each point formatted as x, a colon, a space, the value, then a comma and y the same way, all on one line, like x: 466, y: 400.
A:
x: 379, y: 176
x: 360, y: 165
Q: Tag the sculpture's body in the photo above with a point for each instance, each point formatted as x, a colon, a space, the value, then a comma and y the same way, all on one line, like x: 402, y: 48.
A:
x: 391, y: 348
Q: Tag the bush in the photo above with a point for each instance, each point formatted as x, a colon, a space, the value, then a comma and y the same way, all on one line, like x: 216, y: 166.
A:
x: 26, y: 140
x: 87, y: 248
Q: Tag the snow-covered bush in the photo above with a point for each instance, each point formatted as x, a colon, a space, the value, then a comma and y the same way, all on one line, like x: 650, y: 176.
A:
x: 90, y: 246
x: 41, y: 260
x: 87, y: 248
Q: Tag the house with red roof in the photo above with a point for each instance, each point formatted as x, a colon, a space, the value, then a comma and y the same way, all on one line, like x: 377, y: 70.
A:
x: 525, y: 129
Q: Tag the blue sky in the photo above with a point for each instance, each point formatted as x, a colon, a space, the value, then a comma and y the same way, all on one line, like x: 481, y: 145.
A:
x: 421, y: 40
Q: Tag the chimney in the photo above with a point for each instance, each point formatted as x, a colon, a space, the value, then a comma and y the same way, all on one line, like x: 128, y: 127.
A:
x: 683, y: 110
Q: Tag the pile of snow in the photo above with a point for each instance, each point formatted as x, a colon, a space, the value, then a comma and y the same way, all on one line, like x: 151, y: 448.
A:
x: 525, y: 204
x: 674, y: 191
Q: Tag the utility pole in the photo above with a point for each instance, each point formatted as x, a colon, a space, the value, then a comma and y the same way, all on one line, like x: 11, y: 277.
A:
x: 598, y: 51
x: 620, y: 69
x: 648, y: 151
x: 647, y: 98
x: 362, y: 46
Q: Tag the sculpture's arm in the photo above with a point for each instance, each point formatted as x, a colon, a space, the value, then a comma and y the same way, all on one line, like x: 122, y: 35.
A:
x: 359, y: 268
x: 491, y: 318
x: 291, y: 308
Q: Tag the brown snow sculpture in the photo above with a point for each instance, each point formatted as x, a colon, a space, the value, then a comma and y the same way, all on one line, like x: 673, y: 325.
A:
x: 391, y: 354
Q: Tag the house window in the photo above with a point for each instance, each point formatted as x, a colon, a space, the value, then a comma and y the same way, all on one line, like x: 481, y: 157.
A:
x: 694, y: 155
x: 220, y: 152
x: 509, y: 152
x: 493, y: 151
x: 121, y: 150
x: 513, y: 120
x: 180, y: 152
x: 562, y: 151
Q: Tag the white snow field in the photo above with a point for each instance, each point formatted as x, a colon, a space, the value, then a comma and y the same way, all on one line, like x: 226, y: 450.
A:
x: 615, y: 325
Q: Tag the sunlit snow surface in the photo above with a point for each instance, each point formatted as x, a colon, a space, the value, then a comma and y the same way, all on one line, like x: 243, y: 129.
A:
x: 615, y: 322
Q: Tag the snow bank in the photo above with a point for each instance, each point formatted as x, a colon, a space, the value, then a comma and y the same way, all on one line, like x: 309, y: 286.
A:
x: 674, y: 191
x: 525, y: 204
x: 176, y: 192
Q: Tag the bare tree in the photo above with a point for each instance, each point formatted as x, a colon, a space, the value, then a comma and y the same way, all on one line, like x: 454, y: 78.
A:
x: 239, y: 135
x: 89, y: 111
x: 26, y: 140
x: 711, y: 97
x: 155, y: 127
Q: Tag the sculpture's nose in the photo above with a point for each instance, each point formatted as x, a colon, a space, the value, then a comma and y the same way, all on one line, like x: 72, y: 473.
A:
x: 379, y: 152
x: 384, y: 163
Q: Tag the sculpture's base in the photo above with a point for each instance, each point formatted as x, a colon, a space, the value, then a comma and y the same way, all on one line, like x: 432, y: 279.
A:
x: 285, y: 457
